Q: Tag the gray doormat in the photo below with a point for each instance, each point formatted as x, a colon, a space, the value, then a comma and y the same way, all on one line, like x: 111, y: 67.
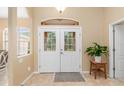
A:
x: 68, y: 77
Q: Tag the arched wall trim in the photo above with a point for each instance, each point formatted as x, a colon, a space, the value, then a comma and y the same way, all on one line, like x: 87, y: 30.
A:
x: 60, y: 21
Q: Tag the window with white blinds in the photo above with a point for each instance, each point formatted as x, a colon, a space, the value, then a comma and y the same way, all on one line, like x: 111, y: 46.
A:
x: 23, y: 41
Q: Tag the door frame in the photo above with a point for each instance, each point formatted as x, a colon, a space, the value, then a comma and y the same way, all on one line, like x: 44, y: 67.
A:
x: 112, y: 47
x: 58, y: 26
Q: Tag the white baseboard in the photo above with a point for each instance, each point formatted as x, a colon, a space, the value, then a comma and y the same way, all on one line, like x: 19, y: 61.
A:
x: 85, y: 72
x: 36, y: 72
x: 23, y: 83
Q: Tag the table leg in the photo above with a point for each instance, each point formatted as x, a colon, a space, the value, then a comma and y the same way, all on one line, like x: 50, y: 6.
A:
x: 90, y: 67
x: 95, y: 71
x: 105, y: 71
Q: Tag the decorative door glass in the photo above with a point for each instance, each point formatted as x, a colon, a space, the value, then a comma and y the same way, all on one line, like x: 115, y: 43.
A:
x: 69, y: 42
x: 49, y: 41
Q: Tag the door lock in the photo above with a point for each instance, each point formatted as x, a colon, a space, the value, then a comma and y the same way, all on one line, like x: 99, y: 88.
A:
x: 61, y: 52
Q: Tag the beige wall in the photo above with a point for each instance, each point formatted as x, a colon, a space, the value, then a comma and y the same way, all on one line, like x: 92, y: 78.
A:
x: 111, y: 15
x: 90, y: 19
x: 19, y: 66
x: 94, y: 23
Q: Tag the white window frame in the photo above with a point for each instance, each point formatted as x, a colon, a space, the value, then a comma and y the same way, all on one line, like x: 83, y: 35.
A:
x: 4, y: 38
x: 19, y: 56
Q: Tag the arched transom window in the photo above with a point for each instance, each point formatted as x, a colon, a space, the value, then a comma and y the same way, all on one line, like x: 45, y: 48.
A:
x: 60, y: 21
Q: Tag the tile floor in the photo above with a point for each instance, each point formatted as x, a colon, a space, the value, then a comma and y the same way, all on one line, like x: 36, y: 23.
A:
x: 48, y: 80
x: 3, y: 78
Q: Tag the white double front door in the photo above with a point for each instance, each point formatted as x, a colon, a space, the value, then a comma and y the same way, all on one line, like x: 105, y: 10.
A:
x: 59, y: 49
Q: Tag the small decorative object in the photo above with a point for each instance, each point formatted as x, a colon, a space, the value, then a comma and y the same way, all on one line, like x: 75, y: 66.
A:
x: 97, y: 51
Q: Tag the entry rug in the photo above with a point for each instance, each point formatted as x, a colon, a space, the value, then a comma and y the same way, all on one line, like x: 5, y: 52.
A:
x: 68, y: 77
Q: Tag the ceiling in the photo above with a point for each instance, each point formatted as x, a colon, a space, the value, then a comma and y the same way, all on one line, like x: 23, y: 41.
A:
x: 21, y: 12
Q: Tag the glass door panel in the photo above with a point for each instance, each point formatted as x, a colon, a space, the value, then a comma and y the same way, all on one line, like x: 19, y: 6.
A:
x: 49, y: 41
x: 69, y: 41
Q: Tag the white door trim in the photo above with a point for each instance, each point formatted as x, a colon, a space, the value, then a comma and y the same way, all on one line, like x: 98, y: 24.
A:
x: 111, y: 47
x: 58, y: 26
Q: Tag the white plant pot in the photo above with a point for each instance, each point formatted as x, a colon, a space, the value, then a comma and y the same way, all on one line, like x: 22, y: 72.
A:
x: 98, y: 59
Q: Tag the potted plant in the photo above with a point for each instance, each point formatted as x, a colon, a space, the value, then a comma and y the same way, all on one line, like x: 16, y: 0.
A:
x: 97, y: 51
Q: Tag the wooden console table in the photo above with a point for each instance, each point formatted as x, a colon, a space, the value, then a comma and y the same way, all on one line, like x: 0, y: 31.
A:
x: 96, y: 67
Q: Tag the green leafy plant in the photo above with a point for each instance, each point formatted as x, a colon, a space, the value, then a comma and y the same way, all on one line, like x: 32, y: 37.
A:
x: 97, y: 50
